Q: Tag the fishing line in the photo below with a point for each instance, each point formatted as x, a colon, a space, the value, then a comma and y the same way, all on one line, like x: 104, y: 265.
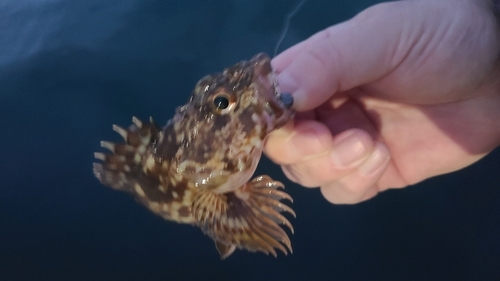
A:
x: 286, y: 24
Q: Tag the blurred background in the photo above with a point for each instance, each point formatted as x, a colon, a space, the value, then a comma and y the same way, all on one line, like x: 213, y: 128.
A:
x: 71, y: 69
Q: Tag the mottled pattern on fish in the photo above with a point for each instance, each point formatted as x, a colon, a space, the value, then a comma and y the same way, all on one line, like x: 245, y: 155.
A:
x: 197, y: 169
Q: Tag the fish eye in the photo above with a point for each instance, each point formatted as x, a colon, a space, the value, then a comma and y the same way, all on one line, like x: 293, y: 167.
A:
x: 222, y: 103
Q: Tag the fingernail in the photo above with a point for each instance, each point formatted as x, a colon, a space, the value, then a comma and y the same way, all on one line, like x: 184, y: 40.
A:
x: 286, y: 83
x: 348, y: 150
x: 379, y: 158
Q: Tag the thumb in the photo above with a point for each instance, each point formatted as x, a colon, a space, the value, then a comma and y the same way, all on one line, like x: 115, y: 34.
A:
x: 343, y: 56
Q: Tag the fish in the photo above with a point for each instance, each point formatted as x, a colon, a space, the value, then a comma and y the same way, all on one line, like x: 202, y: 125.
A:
x: 198, y: 168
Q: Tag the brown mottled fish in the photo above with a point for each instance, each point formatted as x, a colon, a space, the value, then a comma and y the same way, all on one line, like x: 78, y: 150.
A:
x: 198, y: 168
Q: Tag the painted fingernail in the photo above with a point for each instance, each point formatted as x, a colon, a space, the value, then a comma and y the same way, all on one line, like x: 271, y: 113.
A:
x: 348, y: 150
x: 379, y: 157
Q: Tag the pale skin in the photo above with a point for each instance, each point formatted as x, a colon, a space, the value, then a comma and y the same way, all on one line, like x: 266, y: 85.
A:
x: 402, y: 92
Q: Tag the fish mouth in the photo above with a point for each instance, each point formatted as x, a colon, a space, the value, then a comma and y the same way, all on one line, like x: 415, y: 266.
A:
x: 277, y: 104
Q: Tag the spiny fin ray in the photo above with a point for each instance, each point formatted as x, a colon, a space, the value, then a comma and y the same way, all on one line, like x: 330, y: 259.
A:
x: 247, y: 218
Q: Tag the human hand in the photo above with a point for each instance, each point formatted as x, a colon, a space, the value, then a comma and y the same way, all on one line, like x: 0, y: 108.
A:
x: 402, y: 92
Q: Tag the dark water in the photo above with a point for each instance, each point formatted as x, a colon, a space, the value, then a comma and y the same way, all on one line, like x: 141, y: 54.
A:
x: 70, y: 69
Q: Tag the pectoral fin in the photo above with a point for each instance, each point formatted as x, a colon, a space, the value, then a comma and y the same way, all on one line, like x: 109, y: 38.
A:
x: 248, y: 218
x: 225, y: 250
